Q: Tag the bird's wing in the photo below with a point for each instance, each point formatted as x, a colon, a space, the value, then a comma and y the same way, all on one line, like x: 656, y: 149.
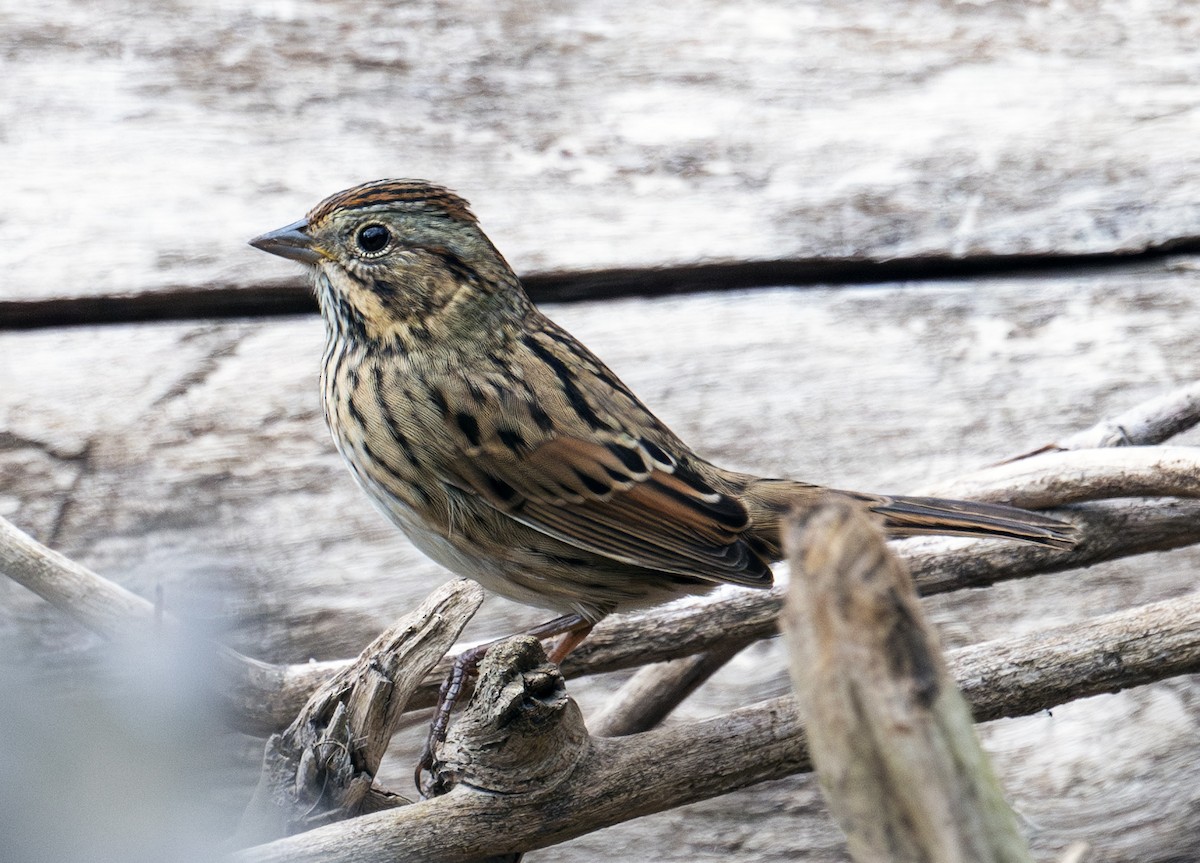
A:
x: 572, y: 453
x: 599, y: 497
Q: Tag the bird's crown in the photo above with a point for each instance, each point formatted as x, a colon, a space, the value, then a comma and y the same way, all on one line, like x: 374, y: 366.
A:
x: 410, y: 194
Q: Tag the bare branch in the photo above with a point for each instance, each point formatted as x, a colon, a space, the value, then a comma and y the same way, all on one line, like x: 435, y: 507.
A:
x: 648, y: 697
x: 891, y: 736
x: 623, y: 778
x: 1056, y: 478
x: 101, y: 605
x: 1151, y: 642
x: 1151, y: 422
x: 322, y: 767
x: 1110, y: 530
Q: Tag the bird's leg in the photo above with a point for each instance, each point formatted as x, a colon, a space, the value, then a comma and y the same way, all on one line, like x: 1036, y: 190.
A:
x: 570, y: 639
x: 572, y: 627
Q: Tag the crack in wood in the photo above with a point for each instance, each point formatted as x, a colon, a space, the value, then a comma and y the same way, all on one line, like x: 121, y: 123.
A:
x: 222, y: 346
x: 287, y: 297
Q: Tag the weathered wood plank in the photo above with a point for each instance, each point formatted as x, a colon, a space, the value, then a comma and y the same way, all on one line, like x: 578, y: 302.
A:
x: 192, y: 459
x: 196, y: 454
x: 143, y: 149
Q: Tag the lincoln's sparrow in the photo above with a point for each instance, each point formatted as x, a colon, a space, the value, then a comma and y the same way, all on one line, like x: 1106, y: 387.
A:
x: 507, y: 451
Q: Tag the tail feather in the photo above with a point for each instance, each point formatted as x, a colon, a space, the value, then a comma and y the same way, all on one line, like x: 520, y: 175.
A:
x: 907, y: 516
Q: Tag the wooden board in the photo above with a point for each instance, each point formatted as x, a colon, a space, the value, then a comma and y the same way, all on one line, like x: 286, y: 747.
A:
x: 191, y: 461
x: 143, y: 146
x: 142, y: 150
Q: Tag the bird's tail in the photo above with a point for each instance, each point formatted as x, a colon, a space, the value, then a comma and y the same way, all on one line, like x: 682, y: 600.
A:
x: 768, y: 499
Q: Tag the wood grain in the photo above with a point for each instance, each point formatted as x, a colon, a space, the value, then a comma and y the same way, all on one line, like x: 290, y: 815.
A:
x: 594, y: 137
x: 188, y: 460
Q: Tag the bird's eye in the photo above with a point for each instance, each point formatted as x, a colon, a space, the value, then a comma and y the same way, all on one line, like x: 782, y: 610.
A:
x: 373, y: 239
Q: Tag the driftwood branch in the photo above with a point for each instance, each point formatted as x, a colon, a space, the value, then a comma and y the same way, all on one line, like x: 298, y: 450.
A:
x: 1151, y: 422
x: 1110, y: 530
x: 262, y: 698
x: 520, y: 734
x: 1057, y: 478
x: 322, y: 768
x: 614, y: 780
x: 891, y: 736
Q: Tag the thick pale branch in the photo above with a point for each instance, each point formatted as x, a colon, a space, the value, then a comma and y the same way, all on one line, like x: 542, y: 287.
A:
x: 520, y: 733
x: 1018, y: 677
x: 261, y: 698
x: 1056, y: 478
x: 890, y: 734
x: 623, y: 778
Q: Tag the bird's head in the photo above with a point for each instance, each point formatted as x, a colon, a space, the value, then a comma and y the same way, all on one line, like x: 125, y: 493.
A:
x: 399, y: 259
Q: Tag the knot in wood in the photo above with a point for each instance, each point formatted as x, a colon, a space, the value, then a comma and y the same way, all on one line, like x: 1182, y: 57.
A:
x: 521, y: 733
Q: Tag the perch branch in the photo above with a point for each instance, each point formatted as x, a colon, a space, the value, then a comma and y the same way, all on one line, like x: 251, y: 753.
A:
x: 322, y: 768
x: 614, y: 780
x: 1110, y: 530
x: 881, y: 711
x: 262, y: 698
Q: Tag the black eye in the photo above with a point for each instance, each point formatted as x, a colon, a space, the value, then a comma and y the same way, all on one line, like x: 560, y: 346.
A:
x: 373, y: 239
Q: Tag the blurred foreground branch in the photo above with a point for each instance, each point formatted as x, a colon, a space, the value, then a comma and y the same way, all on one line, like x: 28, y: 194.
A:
x: 890, y: 735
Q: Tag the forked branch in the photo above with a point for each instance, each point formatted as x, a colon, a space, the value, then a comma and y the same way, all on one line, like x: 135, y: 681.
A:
x: 602, y: 781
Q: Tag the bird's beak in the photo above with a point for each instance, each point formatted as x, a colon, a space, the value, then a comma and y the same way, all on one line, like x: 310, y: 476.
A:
x: 291, y: 241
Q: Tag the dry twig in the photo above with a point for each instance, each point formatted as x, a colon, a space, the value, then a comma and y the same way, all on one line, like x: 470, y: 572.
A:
x: 1057, y: 478
x: 322, y: 768
x: 1150, y: 422
x: 655, y: 690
